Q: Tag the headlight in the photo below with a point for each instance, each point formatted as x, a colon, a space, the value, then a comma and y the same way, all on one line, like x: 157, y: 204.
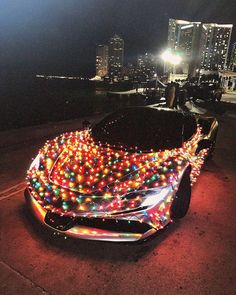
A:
x: 36, y: 162
x: 150, y: 197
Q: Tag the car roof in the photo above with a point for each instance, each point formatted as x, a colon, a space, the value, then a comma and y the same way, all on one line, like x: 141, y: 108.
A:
x: 166, y: 110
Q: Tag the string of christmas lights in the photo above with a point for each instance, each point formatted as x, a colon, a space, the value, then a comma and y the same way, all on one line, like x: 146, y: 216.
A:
x: 77, y: 177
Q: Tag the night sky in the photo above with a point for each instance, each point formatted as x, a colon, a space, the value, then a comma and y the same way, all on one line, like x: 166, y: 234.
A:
x: 60, y: 36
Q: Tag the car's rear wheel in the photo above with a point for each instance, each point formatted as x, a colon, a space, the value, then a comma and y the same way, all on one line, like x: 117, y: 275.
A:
x: 181, y: 202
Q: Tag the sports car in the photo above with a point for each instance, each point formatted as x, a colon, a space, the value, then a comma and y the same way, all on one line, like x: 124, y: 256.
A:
x: 122, y: 179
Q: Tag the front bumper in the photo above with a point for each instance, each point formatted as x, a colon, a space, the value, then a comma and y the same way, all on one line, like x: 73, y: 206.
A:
x: 91, y: 228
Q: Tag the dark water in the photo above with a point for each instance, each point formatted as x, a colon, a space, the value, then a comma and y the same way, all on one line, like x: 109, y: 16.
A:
x: 27, y: 100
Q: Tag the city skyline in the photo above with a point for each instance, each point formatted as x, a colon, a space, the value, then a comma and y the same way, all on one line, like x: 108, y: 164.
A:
x: 110, y: 63
x: 201, y: 46
x: 61, y: 36
x: 110, y: 58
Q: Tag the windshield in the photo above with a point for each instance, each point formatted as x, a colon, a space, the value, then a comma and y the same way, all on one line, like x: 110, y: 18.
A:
x: 142, y: 128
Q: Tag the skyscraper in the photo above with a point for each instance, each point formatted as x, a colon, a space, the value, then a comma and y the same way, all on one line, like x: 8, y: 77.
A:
x: 184, y: 38
x: 116, y: 57
x: 200, y: 45
x: 102, y: 60
x: 215, y: 41
x: 146, y: 67
x: 232, y: 63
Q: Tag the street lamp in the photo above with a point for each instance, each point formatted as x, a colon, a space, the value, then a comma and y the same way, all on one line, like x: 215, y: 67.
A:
x: 171, y: 58
x: 165, y: 56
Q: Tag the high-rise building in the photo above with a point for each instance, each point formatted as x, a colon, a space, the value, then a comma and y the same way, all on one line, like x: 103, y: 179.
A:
x: 232, y: 63
x: 116, y: 57
x: 200, y: 45
x: 215, y: 40
x: 102, y: 60
x: 184, y: 39
x: 146, y: 67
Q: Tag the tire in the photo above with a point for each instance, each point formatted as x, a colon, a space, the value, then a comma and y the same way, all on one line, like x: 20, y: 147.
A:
x: 181, y: 202
x: 212, y: 148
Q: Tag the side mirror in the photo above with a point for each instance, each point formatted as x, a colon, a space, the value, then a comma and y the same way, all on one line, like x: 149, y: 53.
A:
x: 203, y: 144
x: 86, y: 124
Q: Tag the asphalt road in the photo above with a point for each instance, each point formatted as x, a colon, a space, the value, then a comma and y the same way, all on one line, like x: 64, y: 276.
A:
x: 196, y: 255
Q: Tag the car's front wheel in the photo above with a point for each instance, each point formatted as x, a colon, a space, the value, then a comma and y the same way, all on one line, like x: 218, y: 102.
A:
x: 181, y: 202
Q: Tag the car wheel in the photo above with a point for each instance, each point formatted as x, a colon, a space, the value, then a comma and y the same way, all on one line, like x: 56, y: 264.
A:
x: 212, y: 148
x: 181, y: 202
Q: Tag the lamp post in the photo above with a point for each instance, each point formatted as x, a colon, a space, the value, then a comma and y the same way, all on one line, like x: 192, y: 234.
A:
x: 168, y: 57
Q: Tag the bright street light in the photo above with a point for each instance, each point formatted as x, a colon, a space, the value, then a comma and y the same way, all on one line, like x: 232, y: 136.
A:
x: 171, y: 58
x: 166, y: 55
x: 176, y: 60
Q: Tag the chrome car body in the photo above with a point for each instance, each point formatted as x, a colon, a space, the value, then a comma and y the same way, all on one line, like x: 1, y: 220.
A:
x: 83, y: 187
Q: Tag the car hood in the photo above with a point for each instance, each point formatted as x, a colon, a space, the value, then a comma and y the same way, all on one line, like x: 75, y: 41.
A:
x: 76, y: 175
x: 87, y: 168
